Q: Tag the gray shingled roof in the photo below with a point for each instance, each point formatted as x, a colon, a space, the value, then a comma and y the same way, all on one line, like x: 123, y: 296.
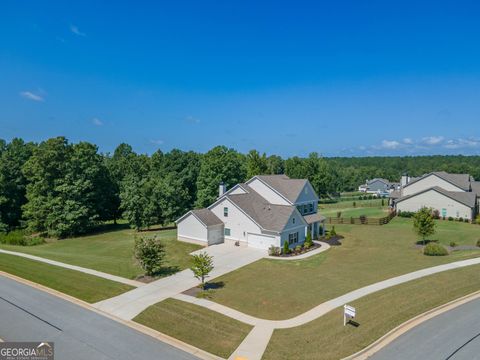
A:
x: 467, y: 198
x: 460, y: 180
x: 310, y: 219
x: 289, y: 188
x: 207, y: 217
x: 476, y: 187
x: 395, y: 194
x: 268, y: 216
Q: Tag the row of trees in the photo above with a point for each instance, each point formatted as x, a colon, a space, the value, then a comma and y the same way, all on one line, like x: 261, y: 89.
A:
x: 63, y: 189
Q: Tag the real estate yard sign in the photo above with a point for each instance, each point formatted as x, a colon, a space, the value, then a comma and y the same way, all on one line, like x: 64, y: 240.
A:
x: 349, y: 312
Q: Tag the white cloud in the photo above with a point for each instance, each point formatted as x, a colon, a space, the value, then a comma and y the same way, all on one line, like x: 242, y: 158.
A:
x: 433, y: 140
x: 74, y: 29
x: 462, y: 143
x: 156, y: 142
x: 390, y: 144
x: 31, y: 96
x: 408, y: 141
x: 97, y: 122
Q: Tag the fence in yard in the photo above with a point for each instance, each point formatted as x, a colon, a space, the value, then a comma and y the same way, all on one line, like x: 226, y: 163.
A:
x: 362, y: 220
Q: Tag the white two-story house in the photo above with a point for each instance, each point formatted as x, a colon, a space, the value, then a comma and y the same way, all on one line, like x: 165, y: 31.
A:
x: 266, y: 210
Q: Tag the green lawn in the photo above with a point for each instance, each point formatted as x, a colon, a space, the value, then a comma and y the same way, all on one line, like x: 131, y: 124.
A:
x: 111, y: 251
x: 378, y: 313
x: 200, y: 327
x: 275, y: 289
x: 356, y: 212
x: 82, y: 286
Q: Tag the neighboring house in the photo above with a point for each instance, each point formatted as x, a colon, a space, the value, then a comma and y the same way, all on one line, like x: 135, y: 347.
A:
x: 266, y: 210
x: 453, y: 195
x: 378, y: 186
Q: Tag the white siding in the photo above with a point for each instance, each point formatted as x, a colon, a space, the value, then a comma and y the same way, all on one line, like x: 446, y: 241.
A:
x: 267, y: 193
x: 437, y: 201
x: 191, y: 228
x: 238, y: 190
x: 427, y: 183
x: 238, y: 223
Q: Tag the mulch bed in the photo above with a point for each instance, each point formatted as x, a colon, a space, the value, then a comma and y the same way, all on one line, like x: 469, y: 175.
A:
x: 293, y: 254
x: 333, y: 241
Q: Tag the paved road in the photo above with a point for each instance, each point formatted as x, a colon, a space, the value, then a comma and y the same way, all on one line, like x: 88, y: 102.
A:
x: 28, y: 314
x: 454, y: 335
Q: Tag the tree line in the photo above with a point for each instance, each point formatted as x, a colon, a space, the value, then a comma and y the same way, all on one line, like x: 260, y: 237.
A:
x: 63, y: 189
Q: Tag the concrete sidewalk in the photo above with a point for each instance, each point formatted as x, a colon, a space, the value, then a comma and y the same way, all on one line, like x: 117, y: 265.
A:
x: 76, y: 268
x: 255, y: 343
x: 226, y: 258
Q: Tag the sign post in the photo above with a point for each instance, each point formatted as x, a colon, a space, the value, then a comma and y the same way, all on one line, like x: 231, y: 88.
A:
x: 349, y: 312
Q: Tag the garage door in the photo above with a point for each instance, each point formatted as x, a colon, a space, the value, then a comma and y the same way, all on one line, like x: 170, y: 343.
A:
x: 260, y: 241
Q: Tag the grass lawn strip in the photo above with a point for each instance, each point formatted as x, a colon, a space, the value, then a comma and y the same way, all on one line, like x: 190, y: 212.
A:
x: 377, y: 314
x: 200, y: 327
x: 77, y: 284
x: 111, y: 252
x: 369, y: 254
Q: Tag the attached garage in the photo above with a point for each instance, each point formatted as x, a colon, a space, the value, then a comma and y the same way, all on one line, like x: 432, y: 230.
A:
x: 200, y: 227
x: 260, y: 241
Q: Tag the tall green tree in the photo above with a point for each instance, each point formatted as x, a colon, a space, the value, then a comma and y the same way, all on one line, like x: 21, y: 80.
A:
x: 44, y: 172
x: 256, y: 164
x: 12, y: 181
x: 275, y: 165
x: 217, y: 165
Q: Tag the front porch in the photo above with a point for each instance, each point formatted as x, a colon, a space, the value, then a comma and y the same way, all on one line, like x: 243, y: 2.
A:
x: 316, y: 225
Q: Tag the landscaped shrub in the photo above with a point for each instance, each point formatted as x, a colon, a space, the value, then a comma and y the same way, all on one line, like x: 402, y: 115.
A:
x: 332, y: 232
x: 450, y: 218
x: 478, y: 242
x: 298, y: 248
x: 453, y: 244
x: 354, y: 204
x: 383, y: 202
x: 460, y: 219
x: 434, y: 249
x: 274, y: 250
x: 286, y: 248
x: 405, y: 214
x: 477, y: 219
x: 436, y: 214
x: 308, y: 241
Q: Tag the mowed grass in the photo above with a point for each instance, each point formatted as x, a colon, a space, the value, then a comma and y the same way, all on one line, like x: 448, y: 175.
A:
x: 111, y: 251
x: 77, y: 284
x: 200, y: 327
x: 378, y: 313
x: 273, y: 289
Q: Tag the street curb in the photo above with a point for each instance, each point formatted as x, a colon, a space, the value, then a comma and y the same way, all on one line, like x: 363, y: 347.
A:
x: 393, y: 334
x: 202, y: 354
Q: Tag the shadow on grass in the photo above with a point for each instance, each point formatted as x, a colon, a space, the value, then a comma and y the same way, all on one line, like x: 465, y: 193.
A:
x: 353, y: 323
x: 167, y: 270
x: 425, y: 242
x: 214, y: 285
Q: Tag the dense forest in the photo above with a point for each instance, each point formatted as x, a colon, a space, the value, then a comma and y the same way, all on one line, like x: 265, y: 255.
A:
x: 61, y: 189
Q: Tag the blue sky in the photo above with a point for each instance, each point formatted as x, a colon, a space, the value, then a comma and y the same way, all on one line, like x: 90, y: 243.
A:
x: 347, y: 78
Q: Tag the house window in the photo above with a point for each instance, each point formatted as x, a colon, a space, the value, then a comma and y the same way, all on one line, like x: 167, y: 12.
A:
x: 225, y: 211
x: 310, y: 207
x: 305, y: 209
x: 227, y: 232
x: 293, y: 220
x: 293, y: 238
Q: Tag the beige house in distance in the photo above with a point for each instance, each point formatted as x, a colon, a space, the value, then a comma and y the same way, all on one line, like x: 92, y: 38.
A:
x: 453, y: 195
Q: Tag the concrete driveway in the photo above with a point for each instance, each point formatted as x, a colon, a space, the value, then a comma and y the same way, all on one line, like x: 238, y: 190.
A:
x: 226, y: 258
x: 29, y: 314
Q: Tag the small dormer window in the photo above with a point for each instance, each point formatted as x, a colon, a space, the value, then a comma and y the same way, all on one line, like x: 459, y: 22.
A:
x: 225, y: 211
